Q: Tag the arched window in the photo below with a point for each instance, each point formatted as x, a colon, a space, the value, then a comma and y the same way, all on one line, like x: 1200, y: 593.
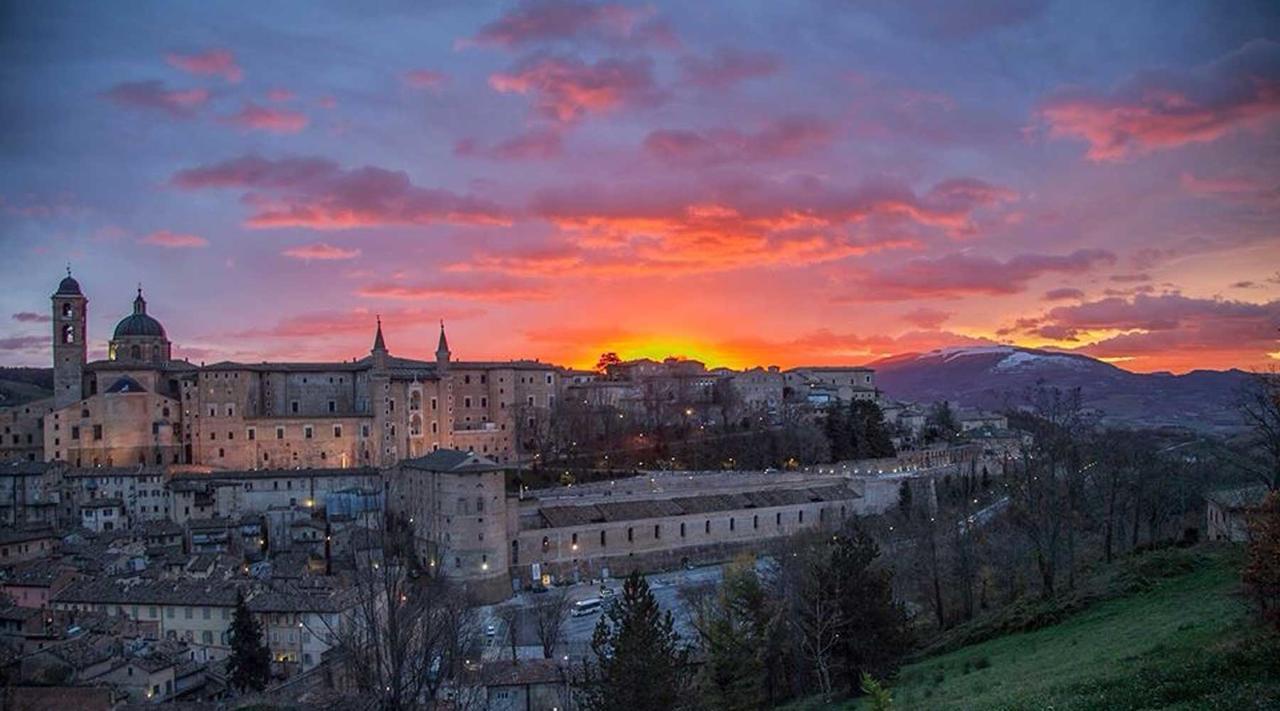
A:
x: 67, y: 311
x: 415, y: 425
x: 415, y: 401
x: 135, y: 352
x: 155, y: 352
x: 68, y: 334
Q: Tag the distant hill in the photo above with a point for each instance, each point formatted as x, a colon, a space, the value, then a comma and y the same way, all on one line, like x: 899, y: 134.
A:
x: 996, y: 377
x: 22, y: 385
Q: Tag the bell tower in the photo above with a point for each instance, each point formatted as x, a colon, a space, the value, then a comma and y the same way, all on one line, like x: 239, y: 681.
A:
x: 70, y: 352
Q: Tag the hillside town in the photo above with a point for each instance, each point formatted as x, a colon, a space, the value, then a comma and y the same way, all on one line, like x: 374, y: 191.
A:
x: 151, y: 505
x: 148, y: 497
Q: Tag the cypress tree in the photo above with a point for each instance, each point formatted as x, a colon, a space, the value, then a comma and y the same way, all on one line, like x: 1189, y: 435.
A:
x: 249, y: 666
x: 639, y: 662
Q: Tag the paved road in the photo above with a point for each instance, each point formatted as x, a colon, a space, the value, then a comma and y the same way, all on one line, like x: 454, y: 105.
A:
x: 578, y: 630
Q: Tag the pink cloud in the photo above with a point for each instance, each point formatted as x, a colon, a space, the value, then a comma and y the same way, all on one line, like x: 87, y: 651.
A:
x: 782, y: 138
x: 539, y: 144
x: 538, y: 21
x: 927, y: 318
x: 360, y: 321
x: 727, y: 67
x: 317, y: 193
x: 1156, y: 111
x: 30, y: 317
x: 959, y: 274
x: 465, y: 290
x: 153, y: 95
x: 567, y: 88
x: 1175, y: 330
x: 280, y: 95
x: 424, y: 79
x: 671, y: 230
x: 174, y: 240
x: 1063, y: 294
x: 25, y: 344
x: 321, y: 251
x: 215, y: 62
x: 273, y: 120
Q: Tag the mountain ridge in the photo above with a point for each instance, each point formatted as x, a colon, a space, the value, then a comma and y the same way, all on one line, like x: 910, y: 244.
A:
x: 998, y: 377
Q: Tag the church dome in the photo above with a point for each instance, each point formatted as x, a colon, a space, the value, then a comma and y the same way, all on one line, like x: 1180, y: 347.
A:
x: 139, y: 323
x: 69, y: 287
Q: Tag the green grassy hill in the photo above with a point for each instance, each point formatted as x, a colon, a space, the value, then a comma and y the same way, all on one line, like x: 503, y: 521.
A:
x: 1177, y: 635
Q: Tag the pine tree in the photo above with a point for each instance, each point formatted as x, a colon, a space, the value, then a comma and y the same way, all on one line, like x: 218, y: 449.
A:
x: 740, y: 635
x: 870, y: 434
x: 904, y: 498
x: 875, y: 635
x: 249, y: 666
x: 836, y: 427
x: 639, y: 663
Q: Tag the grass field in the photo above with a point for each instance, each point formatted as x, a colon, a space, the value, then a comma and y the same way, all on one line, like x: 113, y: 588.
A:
x: 1181, y: 637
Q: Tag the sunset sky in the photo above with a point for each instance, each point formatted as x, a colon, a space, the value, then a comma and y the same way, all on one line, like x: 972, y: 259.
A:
x: 743, y: 182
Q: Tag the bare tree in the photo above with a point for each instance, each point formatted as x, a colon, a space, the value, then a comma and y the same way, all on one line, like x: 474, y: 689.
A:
x: 817, y: 615
x: 549, y: 615
x: 1044, y: 484
x: 1260, y: 409
x: 411, y: 631
x: 512, y: 617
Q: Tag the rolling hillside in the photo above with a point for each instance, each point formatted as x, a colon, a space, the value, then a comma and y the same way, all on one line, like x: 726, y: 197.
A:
x: 23, y: 385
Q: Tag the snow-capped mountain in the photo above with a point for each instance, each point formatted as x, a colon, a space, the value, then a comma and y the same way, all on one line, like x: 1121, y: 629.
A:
x: 996, y: 377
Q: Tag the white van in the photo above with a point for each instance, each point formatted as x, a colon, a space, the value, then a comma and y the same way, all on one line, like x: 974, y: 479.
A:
x: 590, y: 606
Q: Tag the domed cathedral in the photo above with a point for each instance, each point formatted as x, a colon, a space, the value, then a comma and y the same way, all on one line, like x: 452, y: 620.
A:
x: 123, y: 411
x: 139, y: 338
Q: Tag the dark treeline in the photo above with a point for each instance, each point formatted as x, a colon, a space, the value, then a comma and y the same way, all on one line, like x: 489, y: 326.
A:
x: 816, y: 620
x: 606, y: 438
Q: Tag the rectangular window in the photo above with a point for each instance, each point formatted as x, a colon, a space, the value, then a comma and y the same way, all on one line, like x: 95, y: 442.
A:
x: 682, y: 530
x: 279, y: 433
x: 707, y: 527
x: 732, y: 522
x: 466, y: 402
x: 231, y: 410
x: 778, y: 519
x: 333, y: 406
x: 433, y: 403
x: 337, y: 431
x: 97, y: 432
x: 251, y: 433
x: 657, y: 531
x: 75, y: 432
x: 604, y: 541
x: 631, y: 535
x: 307, y: 432
x: 293, y: 406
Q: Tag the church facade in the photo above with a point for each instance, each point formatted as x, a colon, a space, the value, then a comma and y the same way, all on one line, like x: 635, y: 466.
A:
x: 142, y: 406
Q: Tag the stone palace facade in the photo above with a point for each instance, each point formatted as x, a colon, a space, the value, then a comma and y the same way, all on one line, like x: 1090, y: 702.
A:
x: 141, y: 406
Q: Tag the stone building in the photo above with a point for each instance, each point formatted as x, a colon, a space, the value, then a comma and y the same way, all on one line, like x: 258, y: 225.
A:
x: 1227, y: 512
x: 466, y: 524
x: 457, y: 505
x: 825, y: 385
x: 140, y: 406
